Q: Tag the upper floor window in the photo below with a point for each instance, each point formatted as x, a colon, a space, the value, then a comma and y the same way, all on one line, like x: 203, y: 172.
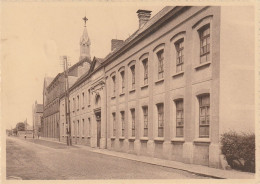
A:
x: 123, y: 122
x: 160, y: 119
x: 145, y: 64
x: 78, y: 102
x: 160, y: 63
x: 89, y: 97
x: 145, y: 113
x: 132, y: 68
x: 83, y: 127
x: 89, y: 127
x: 83, y: 100
x: 179, y: 118
x: 114, y: 85
x: 204, y: 34
x: 122, y: 81
x: 179, y: 45
x: 204, y: 115
x: 133, y: 122
x: 74, y: 104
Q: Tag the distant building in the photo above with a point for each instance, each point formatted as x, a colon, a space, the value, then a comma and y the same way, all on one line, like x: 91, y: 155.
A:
x: 168, y: 91
x: 37, y: 111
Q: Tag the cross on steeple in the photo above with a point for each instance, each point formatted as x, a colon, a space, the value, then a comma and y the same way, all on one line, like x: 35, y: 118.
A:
x: 85, y: 20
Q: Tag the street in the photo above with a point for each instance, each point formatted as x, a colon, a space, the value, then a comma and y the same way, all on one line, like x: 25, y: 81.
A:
x: 43, y: 160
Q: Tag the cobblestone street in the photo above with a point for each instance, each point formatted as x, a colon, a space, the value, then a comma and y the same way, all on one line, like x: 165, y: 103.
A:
x: 38, y: 159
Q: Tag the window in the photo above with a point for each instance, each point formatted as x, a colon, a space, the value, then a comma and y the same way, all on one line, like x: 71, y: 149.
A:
x: 145, y: 64
x: 74, y: 104
x: 204, y: 115
x: 160, y: 119
x: 179, y: 45
x: 89, y: 127
x: 78, y: 102
x: 78, y: 128
x: 74, y: 129
x: 145, y: 112
x: 89, y: 97
x: 133, y: 122
x: 122, y: 81
x: 204, y: 34
x: 160, y: 64
x: 114, y: 86
x: 83, y: 127
x: 83, y: 100
x: 179, y: 118
x: 133, y: 76
x: 123, y: 122
x: 114, y: 124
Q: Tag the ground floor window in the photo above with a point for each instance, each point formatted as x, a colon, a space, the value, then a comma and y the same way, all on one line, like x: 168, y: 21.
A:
x: 160, y: 119
x: 204, y: 115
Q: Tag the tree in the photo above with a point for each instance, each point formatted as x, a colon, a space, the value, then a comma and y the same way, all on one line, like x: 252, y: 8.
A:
x: 20, y: 126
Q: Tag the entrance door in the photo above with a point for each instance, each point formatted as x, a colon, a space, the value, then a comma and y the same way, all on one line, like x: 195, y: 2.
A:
x: 98, y: 118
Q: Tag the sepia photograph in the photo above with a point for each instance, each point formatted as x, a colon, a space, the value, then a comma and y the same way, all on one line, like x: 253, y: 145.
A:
x: 125, y: 91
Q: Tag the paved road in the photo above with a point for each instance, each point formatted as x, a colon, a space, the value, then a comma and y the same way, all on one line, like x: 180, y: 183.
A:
x: 39, y: 159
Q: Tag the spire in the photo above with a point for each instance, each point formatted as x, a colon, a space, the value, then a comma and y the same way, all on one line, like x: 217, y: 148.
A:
x: 84, y: 42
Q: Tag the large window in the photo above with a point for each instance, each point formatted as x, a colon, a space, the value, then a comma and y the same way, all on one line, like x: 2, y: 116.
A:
x: 145, y: 113
x: 114, y: 86
x: 204, y: 34
x: 133, y: 76
x: 179, y: 45
x: 160, y: 63
x: 122, y: 82
x: 179, y: 118
x: 160, y: 119
x: 145, y: 64
x: 204, y: 115
x: 133, y: 122
x: 114, y: 124
x: 123, y: 122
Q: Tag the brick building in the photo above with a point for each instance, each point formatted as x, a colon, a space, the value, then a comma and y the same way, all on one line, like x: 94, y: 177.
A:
x: 171, y: 89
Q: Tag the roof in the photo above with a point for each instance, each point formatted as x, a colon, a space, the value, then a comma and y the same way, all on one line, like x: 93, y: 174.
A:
x: 39, y: 108
x: 72, y: 80
x: 48, y: 80
x: 154, y: 19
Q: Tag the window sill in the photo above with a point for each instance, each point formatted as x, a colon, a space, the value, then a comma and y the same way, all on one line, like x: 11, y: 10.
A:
x: 112, y: 138
x: 178, y: 139
x: 121, y: 138
x: 132, y: 91
x: 122, y: 94
x: 178, y: 74
x: 202, y: 140
x: 131, y: 138
x: 144, y: 86
x: 159, y: 81
x: 202, y: 65
x: 159, y: 139
x: 113, y: 97
x: 144, y: 138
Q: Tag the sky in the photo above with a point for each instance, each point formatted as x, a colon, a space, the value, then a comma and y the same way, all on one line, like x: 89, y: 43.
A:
x: 34, y: 35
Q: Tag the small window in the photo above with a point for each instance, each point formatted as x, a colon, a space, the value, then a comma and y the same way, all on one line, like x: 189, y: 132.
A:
x: 204, y: 34
x: 179, y: 45
x: 145, y: 113
x: 145, y: 64
x: 204, y: 115
x: 122, y: 82
x: 123, y: 122
x: 133, y: 76
x: 114, y: 124
x: 179, y: 118
x: 160, y: 63
x: 133, y: 122
x: 160, y: 119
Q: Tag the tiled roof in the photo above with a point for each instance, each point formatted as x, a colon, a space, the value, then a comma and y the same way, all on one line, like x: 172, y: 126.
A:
x: 72, y: 80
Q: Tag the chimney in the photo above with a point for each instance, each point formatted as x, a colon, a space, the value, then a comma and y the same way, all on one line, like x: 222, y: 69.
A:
x: 144, y: 16
x: 116, y: 44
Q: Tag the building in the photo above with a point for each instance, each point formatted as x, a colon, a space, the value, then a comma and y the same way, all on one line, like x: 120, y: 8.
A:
x: 37, y: 111
x: 171, y: 89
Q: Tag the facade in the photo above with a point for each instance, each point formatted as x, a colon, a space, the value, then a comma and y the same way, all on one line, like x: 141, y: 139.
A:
x: 171, y: 89
x: 37, y: 117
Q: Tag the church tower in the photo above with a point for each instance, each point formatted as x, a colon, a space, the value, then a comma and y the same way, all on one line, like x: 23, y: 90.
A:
x: 84, y: 43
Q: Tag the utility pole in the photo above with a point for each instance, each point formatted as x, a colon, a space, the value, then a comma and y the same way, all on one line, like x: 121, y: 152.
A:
x: 67, y: 104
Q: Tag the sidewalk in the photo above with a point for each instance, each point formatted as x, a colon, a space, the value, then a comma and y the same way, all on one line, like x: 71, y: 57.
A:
x: 196, y: 169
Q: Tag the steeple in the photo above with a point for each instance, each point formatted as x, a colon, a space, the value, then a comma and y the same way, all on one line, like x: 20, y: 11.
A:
x: 84, y: 42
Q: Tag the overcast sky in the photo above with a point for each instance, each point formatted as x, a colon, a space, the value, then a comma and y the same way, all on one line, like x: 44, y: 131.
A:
x: 35, y: 35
